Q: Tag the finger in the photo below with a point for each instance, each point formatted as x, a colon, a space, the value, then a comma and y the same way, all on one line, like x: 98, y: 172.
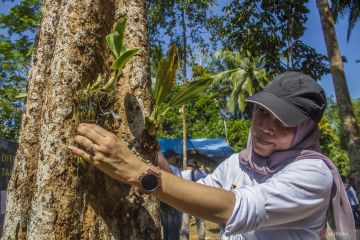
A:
x: 89, y: 132
x: 103, y: 132
x: 85, y: 143
x: 81, y: 153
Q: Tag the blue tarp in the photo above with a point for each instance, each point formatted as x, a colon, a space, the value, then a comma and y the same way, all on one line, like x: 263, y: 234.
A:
x: 210, y: 147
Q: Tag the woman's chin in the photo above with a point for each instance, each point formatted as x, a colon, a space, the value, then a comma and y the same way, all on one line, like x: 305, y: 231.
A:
x: 262, y: 152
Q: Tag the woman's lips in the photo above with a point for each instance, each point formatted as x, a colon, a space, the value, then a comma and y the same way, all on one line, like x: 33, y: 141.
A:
x: 261, y: 141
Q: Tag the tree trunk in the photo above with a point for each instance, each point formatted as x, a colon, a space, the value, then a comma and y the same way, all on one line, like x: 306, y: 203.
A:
x: 51, y: 195
x: 183, y: 108
x: 343, y: 100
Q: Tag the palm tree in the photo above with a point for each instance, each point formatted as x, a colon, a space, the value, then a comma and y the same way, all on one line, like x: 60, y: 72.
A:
x: 342, y: 7
x: 245, y: 74
x: 343, y: 100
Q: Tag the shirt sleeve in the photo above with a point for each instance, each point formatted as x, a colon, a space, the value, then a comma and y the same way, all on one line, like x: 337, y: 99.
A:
x: 300, y: 191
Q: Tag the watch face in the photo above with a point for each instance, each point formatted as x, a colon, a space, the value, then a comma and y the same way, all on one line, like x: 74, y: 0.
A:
x: 149, y: 182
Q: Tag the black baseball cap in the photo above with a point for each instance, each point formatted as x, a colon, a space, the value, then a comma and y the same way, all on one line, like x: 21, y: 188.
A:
x: 293, y: 98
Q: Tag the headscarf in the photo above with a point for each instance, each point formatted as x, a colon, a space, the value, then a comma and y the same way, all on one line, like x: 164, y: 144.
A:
x: 306, y: 145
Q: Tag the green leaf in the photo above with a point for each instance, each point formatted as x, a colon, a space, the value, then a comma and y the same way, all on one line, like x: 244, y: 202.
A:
x: 223, y: 76
x: 120, y: 27
x: 115, y: 40
x: 21, y: 95
x: 189, y: 91
x: 166, y: 74
x: 111, y: 44
x: 121, y: 61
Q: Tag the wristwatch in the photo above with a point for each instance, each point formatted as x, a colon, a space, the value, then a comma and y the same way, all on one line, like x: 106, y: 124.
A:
x: 150, y: 180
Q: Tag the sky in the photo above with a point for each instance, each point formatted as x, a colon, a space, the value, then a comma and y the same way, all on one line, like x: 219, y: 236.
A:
x: 313, y: 37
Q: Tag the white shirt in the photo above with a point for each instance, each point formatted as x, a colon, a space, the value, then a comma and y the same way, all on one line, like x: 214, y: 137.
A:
x: 291, y: 204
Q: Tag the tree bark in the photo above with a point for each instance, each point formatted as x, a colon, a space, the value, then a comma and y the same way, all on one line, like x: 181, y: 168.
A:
x: 183, y: 107
x: 343, y: 100
x: 51, y: 195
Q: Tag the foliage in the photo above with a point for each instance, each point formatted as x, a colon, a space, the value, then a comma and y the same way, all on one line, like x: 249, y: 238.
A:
x: 246, y: 76
x: 122, y: 54
x: 356, y: 108
x: 16, y: 48
x: 344, y: 7
x: 238, y: 131
x: 204, y: 121
x: 331, y: 147
x: 272, y: 29
x: 333, y: 137
x: 96, y: 102
x: 184, y: 23
x: 165, y: 18
x: 165, y: 79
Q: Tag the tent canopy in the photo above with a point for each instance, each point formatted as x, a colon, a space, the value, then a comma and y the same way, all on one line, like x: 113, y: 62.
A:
x: 215, y: 148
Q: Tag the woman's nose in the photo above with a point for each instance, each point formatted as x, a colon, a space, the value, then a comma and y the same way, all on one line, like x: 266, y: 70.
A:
x: 267, y: 125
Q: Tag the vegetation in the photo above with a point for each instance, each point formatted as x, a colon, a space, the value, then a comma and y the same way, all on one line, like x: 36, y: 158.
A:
x: 96, y: 102
x: 16, y: 48
x: 272, y: 29
x: 257, y: 39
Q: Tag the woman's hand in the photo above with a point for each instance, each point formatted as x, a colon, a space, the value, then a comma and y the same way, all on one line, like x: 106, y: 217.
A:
x: 108, y: 153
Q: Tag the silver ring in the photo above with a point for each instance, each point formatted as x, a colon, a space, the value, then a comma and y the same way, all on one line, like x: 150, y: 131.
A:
x: 90, y: 148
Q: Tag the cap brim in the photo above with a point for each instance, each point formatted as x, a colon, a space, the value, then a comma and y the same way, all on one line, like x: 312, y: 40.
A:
x: 282, y: 110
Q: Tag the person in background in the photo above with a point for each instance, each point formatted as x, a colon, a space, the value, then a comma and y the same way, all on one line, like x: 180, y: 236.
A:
x: 353, y: 199
x: 192, y: 173
x: 173, y: 159
x: 170, y: 217
x: 203, y: 169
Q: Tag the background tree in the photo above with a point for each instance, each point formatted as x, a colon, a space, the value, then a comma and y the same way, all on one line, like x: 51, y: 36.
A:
x: 272, y: 29
x: 349, y: 125
x: 245, y: 73
x: 52, y: 195
x: 183, y: 22
x: 16, y: 48
x: 332, y: 140
x: 346, y: 7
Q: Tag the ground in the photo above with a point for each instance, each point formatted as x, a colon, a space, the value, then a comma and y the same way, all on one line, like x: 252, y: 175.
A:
x: 212, y: 231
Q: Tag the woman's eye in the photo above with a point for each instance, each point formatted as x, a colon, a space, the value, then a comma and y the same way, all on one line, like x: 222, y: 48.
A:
x: 280, y: 124
x: 263, y: 111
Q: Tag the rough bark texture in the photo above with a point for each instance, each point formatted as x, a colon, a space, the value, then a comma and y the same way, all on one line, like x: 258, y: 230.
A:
x: 343, y: 100
x: 50, y: 196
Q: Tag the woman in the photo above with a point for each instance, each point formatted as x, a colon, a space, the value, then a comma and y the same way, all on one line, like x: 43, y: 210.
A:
x: 279, y: 187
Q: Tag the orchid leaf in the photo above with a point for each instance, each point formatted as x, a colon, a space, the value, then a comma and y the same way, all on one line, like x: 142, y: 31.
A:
x: 166, y: 74
x: 191, y: 90
x: 115, y: 40
x: 121, y: 61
